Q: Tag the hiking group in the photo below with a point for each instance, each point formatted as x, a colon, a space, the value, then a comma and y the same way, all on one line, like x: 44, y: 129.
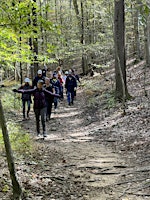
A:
x: 47, y: 90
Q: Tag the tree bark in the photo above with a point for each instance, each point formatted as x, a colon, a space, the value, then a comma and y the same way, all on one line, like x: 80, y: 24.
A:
x: 147, y: 41
x: 120, y: 58
x: 35, y: 39
x: 81, y: 31
x: 137, y: 35
x: 11, y: 166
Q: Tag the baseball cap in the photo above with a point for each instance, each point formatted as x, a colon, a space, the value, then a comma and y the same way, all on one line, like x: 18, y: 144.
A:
x: 40, y: 81
x: 39, y: 71
x: 26, y: 80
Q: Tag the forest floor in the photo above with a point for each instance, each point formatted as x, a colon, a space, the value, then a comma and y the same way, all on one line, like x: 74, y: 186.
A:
x: 91, y: 153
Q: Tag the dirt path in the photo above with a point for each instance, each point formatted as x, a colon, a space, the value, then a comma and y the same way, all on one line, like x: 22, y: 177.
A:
x: 82, y: 166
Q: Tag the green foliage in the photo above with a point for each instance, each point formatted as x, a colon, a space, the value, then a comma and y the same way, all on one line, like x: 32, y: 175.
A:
x: 11, y: 100
x: 17, y: 26
x: 111, y: 101
x: 20, y: 141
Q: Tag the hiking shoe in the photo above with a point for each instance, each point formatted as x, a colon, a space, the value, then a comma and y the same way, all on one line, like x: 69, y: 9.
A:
x: 24, y: 119
x: 55, y: 110
x: 38, y: 134
x: 44, y: 134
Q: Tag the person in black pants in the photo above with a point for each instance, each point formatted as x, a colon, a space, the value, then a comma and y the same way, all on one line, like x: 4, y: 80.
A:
x: 49, y: 99
x: 70, y: 85
x: 39, y: 104
x: 26, y: 98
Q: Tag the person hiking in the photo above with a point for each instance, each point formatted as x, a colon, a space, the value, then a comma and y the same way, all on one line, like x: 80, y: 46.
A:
x: 37, y: 78
x: 49, y: 73
x: 61, y: 86
x: 64, y: 77
x: 56, y: 84
x: 71, y: 86
x: 44, y: 70
x: 77, y: 79
x: 39, y: 104
x: 49, y: 99
x: 75, y: 75
x: 26, y: 98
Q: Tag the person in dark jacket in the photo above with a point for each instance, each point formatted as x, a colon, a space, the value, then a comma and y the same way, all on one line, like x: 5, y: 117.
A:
x: 26, y: 98
x: 57, y: 86
x: 71, y: 86
x: 39, y: 104
x: 37, y: 78
x: 49, y: 99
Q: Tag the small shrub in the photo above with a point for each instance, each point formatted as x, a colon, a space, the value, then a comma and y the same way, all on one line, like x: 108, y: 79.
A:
x: 20, y: 141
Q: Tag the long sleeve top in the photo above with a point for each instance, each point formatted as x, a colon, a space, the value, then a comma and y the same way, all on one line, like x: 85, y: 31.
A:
x: 39, y: 96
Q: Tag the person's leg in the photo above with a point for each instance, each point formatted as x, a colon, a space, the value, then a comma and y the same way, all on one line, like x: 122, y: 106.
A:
x: 43, y: 120
x: 37, y: 116
x: 29, y: 103
x: 55, y: 102
x: 62, y: 92
x: 47, y: 110
x: 72, y: 97
x: 75, y: 93
x: 68, y: 98
x: 50, y: 109
x: 23, y: 108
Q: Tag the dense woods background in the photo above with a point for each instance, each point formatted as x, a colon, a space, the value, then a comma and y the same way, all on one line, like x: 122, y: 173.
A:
x: 84, y: 35
x: 68, y: 32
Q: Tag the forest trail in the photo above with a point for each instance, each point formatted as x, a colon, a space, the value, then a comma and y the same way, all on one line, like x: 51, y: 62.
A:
x: 84, y: 165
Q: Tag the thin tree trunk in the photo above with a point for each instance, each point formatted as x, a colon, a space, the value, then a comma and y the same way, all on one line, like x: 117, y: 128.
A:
x: 11, y: 166
x: 41, y: 28
x: 120, y: 58
x: 147, y: 42
x: 136, y: 33
x: 21, y: 75
x: 56, y: 15
x: 80, y: 20
x: 84, y: 57
x: 35, y: 40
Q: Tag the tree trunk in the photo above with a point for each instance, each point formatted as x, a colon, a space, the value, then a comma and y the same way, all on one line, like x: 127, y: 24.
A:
x: 11, y: 166
x: 120, y: 60
x: 41, y: 29
x: 83, y: 39
x: 56, y: 14
x: 147, y: 42
x: 137, y: 35
x: 35, y: 39
x: 21, y: 75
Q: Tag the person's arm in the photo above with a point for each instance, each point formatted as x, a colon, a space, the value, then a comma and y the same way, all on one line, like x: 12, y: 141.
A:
x: 30, y: 91
x: 52, y: 94
x: 78, y: 78
x: 75, y: 83
x: 66, y: 83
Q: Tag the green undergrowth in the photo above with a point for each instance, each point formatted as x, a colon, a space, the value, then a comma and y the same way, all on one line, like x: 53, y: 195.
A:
x: 98, y: 95
x: 21, y: 141
x: 10, y: 100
